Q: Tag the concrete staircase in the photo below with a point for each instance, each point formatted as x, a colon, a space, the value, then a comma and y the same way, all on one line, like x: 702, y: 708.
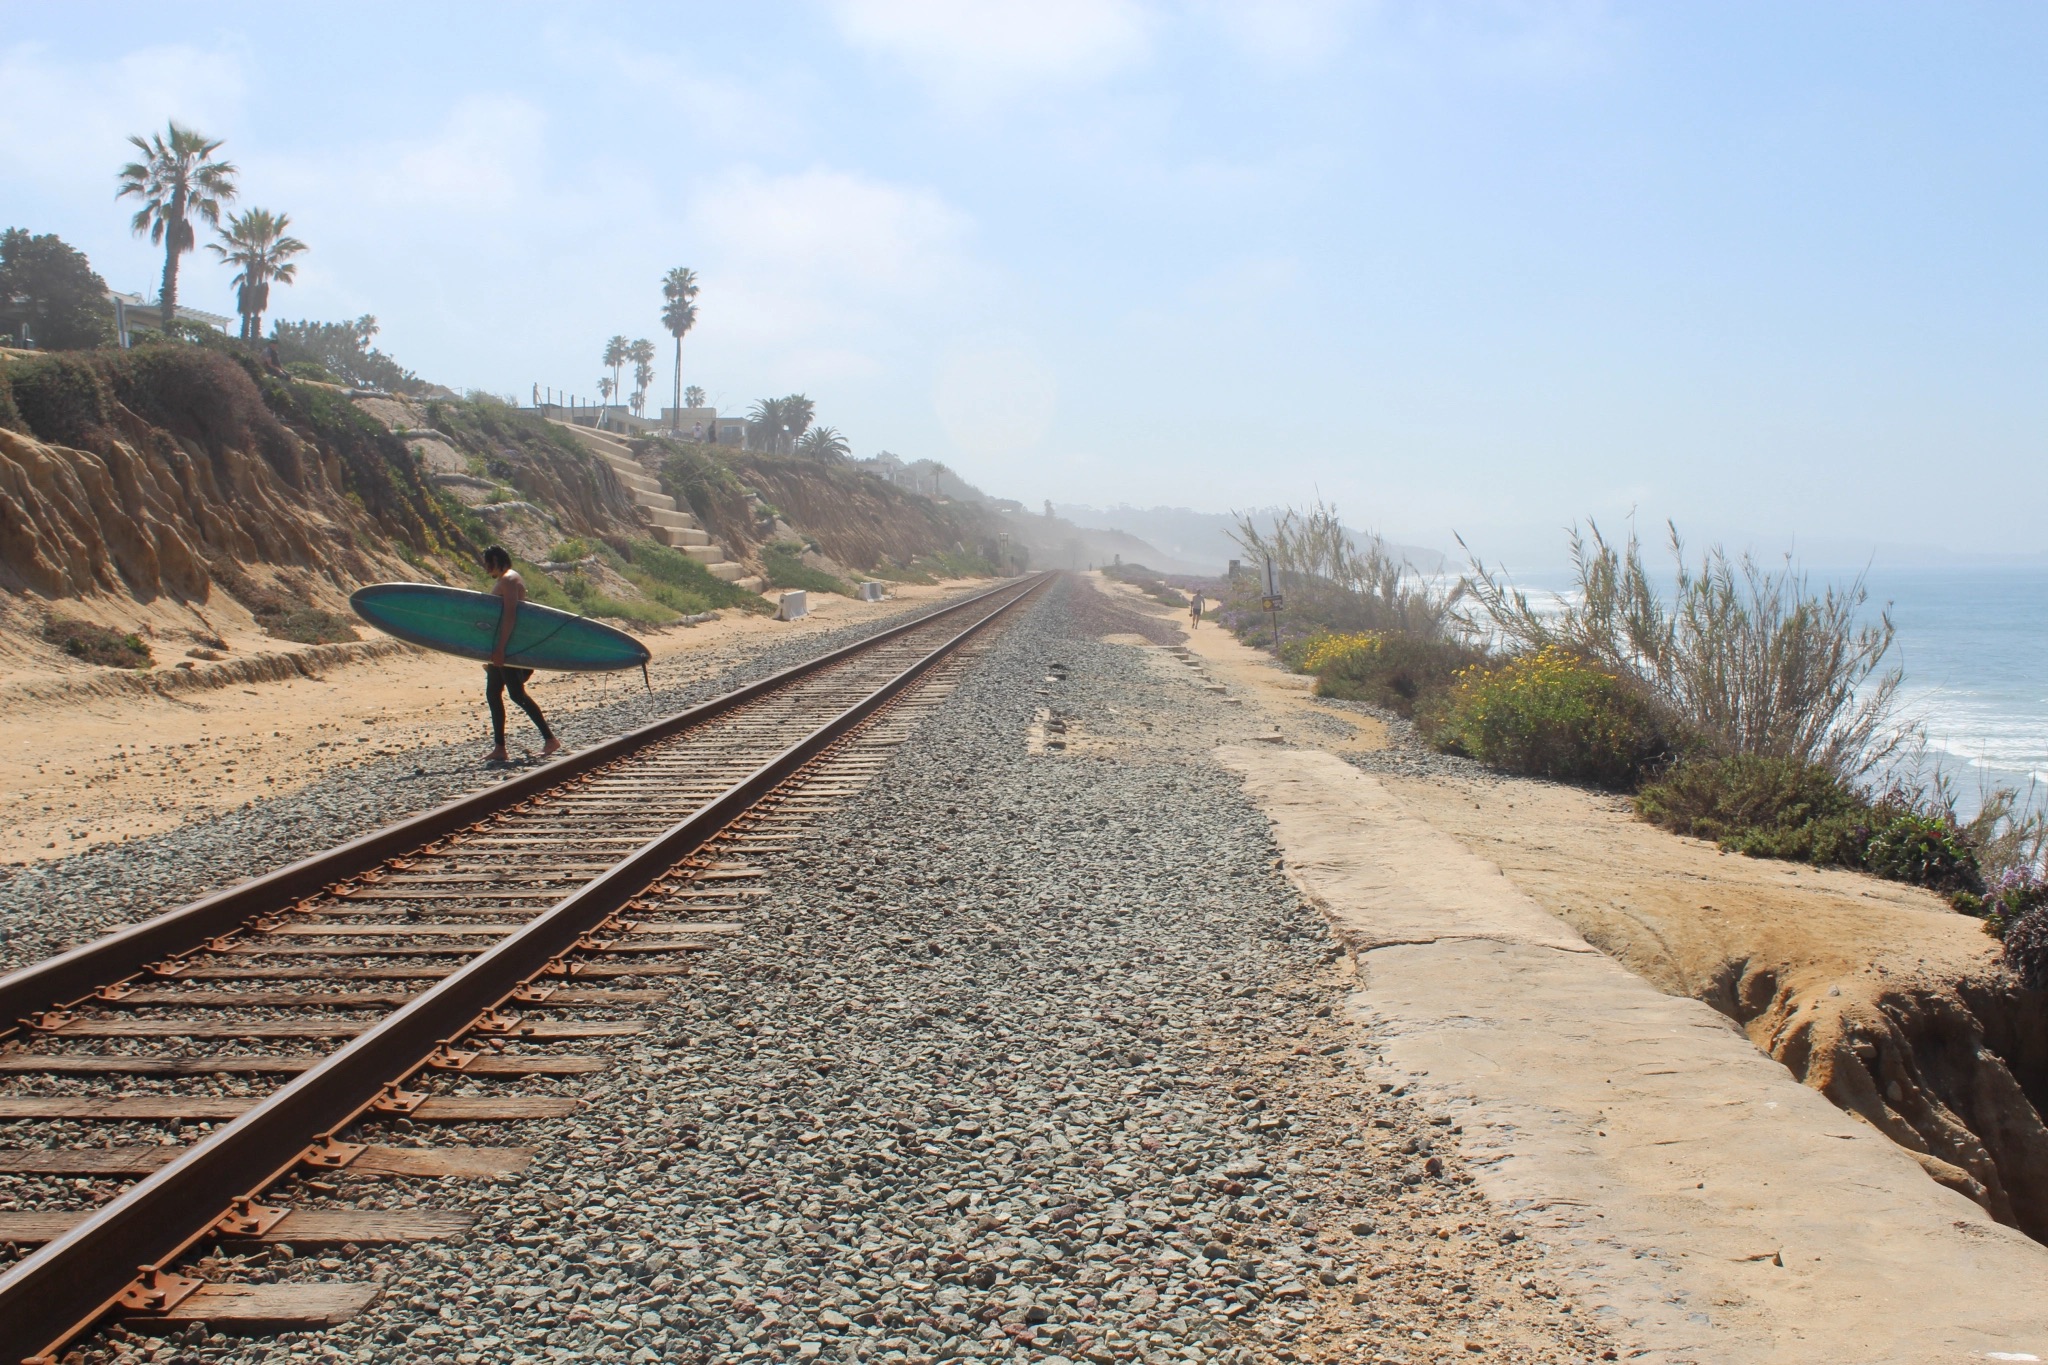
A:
x: 671, y: 526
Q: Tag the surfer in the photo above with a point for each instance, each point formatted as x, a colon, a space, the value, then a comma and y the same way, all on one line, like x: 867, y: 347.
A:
x: 510, y: 588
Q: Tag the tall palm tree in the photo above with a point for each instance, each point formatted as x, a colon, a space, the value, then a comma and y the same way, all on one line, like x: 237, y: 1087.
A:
x: 605, y: 389
x: 176, y: 183
x: 771, y: 416
x: 797, y: 412
x: 679, y: 315
x: 616, y: 354
x: 641, y: 353
x: 824, y: 444
x: 255, y: 243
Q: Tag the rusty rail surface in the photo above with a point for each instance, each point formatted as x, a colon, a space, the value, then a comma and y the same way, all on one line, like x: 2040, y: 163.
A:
x: 112, y: 1258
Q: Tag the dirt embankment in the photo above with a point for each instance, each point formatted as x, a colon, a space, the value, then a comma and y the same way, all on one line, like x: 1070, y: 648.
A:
x: 142, y: 474
x: 854, y: 518
x: 223, y: 515
x: 1876, y: 994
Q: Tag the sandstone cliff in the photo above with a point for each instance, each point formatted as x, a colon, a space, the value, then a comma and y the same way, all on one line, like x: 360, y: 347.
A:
x: 147, y: 474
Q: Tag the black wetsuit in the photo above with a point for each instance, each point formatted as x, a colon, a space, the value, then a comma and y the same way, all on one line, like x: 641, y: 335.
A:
x: 498, y: 680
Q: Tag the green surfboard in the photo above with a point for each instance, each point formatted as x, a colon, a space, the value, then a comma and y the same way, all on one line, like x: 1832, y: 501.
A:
x: 458, y: 621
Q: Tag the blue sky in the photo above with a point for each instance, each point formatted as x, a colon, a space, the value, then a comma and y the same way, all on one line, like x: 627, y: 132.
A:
x: 1774, y: 271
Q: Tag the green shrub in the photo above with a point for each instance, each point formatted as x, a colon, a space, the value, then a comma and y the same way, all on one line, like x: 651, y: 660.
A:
x: 1763, y: 806
x: 591, y: 600
x: 60, y: 398
x: 1402, y: 673
x: 541, y: 588
x: 94, y: 644
x: 676, y: 580
x: 1784, y: 808
x: 2007, y: 898
x: 310, y: 371
x: 902, y: 573
x: 570, y: 551
x: 784, y: 568
x: 1550, y: 714
x: 1926, y: 850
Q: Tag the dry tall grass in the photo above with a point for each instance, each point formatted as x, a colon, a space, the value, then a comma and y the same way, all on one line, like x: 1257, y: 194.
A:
x: 1337, y: 582
x: 1754, y: 657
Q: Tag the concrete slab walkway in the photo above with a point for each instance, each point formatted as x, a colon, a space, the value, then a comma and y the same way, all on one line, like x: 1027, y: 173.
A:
x: 1681, y: 1181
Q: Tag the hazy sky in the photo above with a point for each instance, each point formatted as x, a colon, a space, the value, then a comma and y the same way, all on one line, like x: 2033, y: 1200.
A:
x: 1775, y: 270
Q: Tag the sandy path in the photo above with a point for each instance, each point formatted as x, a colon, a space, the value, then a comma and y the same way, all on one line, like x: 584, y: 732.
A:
x: 81, y: 771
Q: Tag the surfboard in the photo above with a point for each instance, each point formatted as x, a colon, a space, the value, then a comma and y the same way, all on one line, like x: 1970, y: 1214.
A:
x: 464, y: 623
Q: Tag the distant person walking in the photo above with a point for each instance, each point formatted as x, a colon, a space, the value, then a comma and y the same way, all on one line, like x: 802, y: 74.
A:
x: 510, y: 589
x: 1195, y: 609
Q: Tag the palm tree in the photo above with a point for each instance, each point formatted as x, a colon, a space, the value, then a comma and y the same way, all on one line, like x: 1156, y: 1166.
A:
x: 176, y: 184
x: 797, y: 412
x: 641, y: 353
x: 679, y: 315
x: 824, y: 444
x: 693, y: 397
x: 255, y: 243
x: 605, y: 389
x: 771, y: 416
x: 616, y: 354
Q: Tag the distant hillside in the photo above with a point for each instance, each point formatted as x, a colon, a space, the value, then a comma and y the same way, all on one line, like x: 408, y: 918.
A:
x: 1201, y: 541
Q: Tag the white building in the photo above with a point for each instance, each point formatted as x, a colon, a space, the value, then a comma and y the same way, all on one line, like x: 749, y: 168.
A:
x: 133, y: 313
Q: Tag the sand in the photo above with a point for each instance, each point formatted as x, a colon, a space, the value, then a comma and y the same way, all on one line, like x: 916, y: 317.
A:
x: 94, y: 763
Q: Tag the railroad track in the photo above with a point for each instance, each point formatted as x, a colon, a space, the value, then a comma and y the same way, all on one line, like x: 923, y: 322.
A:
x: 181, y: 1085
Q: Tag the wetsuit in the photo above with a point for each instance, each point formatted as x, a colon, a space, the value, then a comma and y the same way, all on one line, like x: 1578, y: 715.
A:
x: 500, y: 679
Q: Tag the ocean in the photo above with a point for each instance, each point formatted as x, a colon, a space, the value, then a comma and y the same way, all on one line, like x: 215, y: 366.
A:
x: 1974, y: 647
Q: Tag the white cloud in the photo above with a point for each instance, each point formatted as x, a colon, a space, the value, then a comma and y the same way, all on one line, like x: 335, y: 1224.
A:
x: 1284, y: 34
x: 976, y: 50
x: 67, y: 124
x: 480, y: 159
x: 822, y: 256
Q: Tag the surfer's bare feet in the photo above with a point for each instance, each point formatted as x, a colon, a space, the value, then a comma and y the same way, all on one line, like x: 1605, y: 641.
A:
x: 497, y: 755
x: 553, y: 746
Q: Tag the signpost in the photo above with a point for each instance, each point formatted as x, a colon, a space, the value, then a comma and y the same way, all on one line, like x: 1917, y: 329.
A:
x: 1271, y: 602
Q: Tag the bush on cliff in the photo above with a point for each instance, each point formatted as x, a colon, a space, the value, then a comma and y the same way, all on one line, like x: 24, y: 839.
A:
x: 1765, y: 806
x: 1404, y: 674
x: 782, y: 563
x: 1550, y: 714
x: 1771, y: 807
x: 95, y: 644
x: 674, y: 579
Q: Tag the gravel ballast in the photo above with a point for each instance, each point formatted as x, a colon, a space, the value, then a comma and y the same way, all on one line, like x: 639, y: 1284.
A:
x: 1026, y: 1056
x: 50, y: 906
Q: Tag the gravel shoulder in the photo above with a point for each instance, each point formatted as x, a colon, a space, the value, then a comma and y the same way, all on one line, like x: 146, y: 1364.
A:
x: 1030, y: 1056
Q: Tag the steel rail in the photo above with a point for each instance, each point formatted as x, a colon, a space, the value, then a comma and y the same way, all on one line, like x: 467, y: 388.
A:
x: 61, y: 1291
x: 73, y: 975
